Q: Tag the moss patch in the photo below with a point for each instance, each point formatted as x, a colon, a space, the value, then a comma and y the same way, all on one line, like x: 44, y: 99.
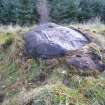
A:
x: 6, y: 39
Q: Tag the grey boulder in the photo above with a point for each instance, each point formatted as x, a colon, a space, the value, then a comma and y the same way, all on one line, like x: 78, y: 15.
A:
x: 51, y: 40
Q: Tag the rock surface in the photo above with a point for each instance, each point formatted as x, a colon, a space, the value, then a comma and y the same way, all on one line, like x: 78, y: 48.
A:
x: 51, y: 40
x: 86, y: 60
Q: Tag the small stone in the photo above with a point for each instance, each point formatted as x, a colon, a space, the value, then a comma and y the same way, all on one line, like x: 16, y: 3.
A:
x: 66, y: 81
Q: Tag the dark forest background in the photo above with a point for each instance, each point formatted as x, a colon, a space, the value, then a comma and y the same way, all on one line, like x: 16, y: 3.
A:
x: 23, y: 12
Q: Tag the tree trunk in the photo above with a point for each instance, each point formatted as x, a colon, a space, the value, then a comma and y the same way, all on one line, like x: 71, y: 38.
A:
x: 43, y: 10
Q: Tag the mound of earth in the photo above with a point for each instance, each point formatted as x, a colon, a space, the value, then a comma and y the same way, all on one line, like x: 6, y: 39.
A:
x: 52, y: 41
x: 87, y: 60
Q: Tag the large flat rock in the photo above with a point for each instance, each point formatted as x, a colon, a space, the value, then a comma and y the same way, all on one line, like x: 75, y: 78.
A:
x: 51, y: 40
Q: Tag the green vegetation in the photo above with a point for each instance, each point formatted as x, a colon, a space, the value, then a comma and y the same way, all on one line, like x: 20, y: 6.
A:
x: 13, y: 66
x: 88, y: 91
x: 5, y: 39
x: 24, y: 12
x: 20, y: 74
